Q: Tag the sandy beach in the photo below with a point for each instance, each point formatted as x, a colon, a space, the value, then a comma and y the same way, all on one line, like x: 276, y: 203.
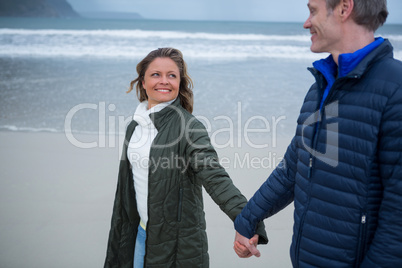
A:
x: 56, y: 203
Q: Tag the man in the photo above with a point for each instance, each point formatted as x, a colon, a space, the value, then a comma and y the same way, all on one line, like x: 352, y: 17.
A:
x: 343, y: 168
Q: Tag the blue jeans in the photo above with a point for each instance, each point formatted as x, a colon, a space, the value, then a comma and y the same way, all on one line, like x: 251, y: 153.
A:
x: 139, y: 251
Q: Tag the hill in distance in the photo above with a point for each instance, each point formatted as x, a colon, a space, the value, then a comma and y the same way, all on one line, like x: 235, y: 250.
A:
x: 37, y: 8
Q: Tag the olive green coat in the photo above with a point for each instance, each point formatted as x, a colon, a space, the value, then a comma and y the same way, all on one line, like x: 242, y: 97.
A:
x: 182, y: 160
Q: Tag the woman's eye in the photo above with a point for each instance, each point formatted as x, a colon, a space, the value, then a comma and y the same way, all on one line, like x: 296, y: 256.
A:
x: 155, y: 74
x: 173, y: 75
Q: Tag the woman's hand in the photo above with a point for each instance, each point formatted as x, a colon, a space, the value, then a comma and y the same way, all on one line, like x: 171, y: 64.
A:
x: 245, y: 247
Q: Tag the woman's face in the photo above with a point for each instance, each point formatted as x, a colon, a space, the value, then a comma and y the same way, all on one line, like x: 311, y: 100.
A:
x: 161, y: 81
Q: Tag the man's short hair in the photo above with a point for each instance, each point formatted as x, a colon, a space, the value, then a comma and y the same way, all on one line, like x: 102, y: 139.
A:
x: 369, y: 13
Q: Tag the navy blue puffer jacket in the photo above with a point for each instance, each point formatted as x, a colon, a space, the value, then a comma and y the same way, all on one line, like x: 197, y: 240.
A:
x: 343, y: 170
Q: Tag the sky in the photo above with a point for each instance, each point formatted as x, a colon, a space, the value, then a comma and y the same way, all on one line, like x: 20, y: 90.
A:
x: 250, y: 10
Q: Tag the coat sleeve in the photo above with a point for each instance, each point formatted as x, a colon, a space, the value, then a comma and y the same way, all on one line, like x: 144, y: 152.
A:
x: 208, y: 171
x: 273, y: 195
x: 385, y: 249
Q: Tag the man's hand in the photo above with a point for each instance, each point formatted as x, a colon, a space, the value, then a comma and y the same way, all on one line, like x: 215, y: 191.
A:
x: 245, y: 247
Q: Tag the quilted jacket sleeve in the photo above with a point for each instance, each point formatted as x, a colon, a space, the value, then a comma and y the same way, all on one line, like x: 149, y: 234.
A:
x: 205, y: 164
x: 274, y: 194
x: 385, y: 249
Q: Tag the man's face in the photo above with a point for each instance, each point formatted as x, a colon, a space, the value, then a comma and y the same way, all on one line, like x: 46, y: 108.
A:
x: 324, y: 27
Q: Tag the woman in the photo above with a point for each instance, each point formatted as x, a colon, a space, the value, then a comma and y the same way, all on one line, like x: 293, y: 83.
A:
x: 158, y: 218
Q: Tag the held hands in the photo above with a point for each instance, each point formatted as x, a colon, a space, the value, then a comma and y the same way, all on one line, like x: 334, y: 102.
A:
x: 245, y: 247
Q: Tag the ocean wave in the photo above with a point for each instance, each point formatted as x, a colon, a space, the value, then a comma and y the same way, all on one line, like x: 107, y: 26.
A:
x: 142, y: 34
x: 194, y: 51
x: 28, y: 129
x: 394, y: 37
x: 137, y: 43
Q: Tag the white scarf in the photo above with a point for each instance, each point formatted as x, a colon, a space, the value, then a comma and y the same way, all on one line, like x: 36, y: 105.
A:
x: 138, y: 153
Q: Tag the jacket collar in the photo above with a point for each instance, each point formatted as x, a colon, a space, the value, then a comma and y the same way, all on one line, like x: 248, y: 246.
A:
x: 349, y: 61
x: 159, y: 119
x: 162, y: 117
x: 141, y: 115
x: 385, y: 49
x: 324, y: 68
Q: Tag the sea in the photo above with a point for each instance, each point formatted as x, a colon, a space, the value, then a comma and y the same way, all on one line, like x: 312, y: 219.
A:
x: 71, y: 75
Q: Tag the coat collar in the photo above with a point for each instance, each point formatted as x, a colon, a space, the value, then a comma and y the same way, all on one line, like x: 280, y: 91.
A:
x: 383, y: 50
x: 162, y: 117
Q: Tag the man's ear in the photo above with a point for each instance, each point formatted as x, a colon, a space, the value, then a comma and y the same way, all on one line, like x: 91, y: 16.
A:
x: 346, y: 8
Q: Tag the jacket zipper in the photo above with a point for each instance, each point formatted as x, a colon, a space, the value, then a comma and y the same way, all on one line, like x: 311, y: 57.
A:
x: 310, y: 167
x: 180, y: 204
x: 318, y: 124
x: 298, y: 241
x: 362, y: 239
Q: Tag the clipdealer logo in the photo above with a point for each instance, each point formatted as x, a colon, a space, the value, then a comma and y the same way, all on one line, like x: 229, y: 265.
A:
x: 330, y: 154
x: 239, y: 131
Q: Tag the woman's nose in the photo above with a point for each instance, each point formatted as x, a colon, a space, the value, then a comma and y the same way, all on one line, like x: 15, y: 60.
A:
x: 164, y: 80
